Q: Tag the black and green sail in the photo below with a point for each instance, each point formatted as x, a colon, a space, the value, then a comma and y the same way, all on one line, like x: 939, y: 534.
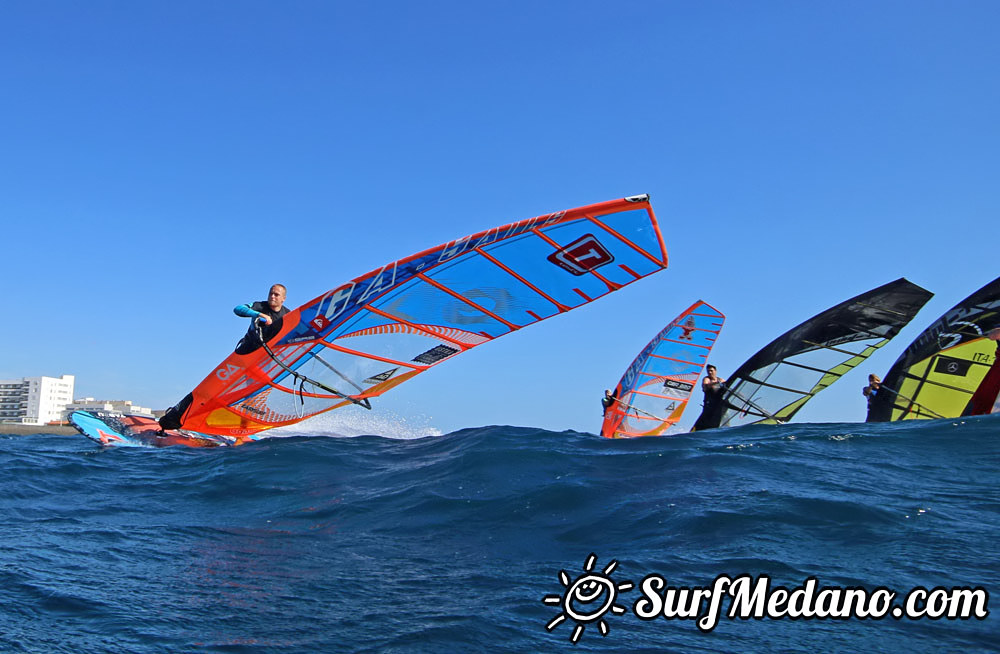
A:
x: 951, y: 369
x: 778, y: 380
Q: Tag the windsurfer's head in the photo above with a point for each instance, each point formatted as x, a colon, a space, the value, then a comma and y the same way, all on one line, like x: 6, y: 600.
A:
x: 710, y: 369
x: 276, y: 297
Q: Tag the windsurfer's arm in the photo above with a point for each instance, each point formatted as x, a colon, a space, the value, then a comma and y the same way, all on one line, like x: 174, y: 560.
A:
x: 246, y: 311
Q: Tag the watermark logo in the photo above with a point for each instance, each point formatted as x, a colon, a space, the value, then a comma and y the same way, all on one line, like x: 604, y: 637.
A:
x: 588, y: 598
x: 593, y: 594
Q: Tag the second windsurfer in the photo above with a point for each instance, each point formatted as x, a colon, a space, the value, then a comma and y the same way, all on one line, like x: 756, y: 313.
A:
x: 714, y: 388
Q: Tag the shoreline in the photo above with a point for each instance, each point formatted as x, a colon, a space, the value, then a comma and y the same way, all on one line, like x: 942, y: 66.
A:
x: 27, y: 430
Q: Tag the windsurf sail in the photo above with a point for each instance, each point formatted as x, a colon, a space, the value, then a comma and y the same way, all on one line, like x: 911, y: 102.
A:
x: 363, y: 338
x: 951, y: 368
x: 656, y: 387
x: 778, y: 380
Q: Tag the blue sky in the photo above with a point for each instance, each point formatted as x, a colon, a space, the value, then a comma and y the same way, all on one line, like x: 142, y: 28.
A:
x: 162, y: 162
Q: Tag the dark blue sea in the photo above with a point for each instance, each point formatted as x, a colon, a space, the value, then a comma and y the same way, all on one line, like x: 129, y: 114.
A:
x: 450, y: 543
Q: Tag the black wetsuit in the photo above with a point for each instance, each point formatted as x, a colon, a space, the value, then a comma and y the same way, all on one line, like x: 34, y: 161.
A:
x: 174, y: 416
x: 714, y: 406
x: 872, y: 393
x: 250, y: 340
x: 607, y: 402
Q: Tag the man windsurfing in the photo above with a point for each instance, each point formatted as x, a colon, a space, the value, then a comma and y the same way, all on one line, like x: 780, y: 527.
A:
x: 714, y: 388
x: 269, y: 314
x: 267, y: 320
x: 871, y: 391
x: 608, y: 400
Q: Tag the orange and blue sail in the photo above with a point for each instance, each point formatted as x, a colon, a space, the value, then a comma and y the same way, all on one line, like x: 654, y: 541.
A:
x: 657, y: 386
x: 365, y: 337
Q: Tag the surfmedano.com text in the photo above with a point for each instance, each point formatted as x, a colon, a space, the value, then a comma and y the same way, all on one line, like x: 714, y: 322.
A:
x: 751, y: 599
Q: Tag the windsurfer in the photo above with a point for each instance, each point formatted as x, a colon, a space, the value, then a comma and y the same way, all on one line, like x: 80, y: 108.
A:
x: 714, y: 388
x: 269, y: 313
x: 871, y: 390
x: 608, y: 400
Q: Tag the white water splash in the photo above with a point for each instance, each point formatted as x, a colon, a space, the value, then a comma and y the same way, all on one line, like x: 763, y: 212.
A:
x: 349, y: 422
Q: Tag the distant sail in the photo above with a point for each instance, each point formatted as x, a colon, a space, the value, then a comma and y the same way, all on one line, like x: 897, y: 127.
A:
x: 951, y: 369
x: 778, y: 381
x: 654, y: 390
x: 379, y: 330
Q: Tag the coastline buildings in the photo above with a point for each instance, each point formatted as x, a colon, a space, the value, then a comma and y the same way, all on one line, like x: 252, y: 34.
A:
x: 44, y: 400
x: 35, y: 400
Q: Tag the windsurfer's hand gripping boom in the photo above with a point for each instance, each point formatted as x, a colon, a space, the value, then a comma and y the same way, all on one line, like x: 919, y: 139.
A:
x: 245, y: 311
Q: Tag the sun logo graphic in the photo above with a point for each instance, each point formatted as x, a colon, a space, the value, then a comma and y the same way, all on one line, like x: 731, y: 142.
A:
x: 587, y: 598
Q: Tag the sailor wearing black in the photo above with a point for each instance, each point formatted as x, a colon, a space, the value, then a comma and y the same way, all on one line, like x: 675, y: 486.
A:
x: 713, y: 406
x: 608, y: 400
x: 267, y: 314
x: 871, y: 391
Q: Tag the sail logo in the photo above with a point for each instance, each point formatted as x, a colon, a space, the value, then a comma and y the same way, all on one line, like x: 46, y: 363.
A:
x: 582, y: 255
x: 384, y: 280
x: 435, y: 354
x: 963, y: 329
x: 319, y: 323
x: 952, y: 366
x: 587, y: 599
x: 381, y: 377
x: 689, y: 326
x: 462, y: 245
x: 225, y: 373
x: 333, y: 303
x: 249, y: 408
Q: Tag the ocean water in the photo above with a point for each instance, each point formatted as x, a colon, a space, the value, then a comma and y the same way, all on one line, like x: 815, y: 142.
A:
x: 449, y: 543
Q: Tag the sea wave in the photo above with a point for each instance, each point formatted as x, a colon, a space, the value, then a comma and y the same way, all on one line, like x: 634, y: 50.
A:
x: 410, y: 540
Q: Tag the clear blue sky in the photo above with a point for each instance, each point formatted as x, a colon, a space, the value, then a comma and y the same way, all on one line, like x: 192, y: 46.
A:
x: 161, y: 162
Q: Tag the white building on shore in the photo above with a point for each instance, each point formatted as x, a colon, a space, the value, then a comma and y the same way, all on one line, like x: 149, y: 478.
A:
x: 35, y: 400
x: 119, y: 406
